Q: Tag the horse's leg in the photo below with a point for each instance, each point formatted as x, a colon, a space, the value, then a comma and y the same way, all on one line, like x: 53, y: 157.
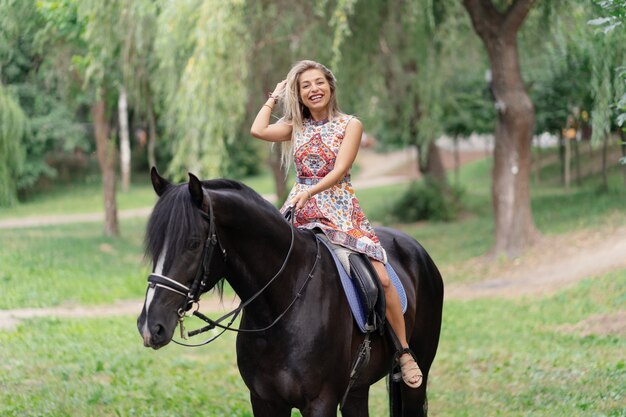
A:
x: 325, y: 405
x: 414, y: 402
x: 263, y: 408
x: 356, y: 404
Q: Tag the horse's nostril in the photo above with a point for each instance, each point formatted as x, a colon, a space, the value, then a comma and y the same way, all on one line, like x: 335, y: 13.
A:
x: 158, y: 331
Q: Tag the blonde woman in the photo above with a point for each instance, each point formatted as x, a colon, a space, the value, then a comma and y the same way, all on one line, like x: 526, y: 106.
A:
x: 323, y: 143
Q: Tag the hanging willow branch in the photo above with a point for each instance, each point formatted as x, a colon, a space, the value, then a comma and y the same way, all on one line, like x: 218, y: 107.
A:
x: 339, y: 21
x: 13, y: 125
x: 207, y: 103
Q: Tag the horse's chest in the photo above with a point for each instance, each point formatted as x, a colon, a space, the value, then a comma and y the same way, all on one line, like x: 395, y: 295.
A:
x: 272, y: 369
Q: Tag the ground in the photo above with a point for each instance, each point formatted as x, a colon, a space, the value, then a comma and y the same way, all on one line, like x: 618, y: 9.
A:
x: 554, y: 263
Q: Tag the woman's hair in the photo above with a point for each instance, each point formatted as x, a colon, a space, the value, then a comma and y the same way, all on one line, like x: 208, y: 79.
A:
x: 295, y: 111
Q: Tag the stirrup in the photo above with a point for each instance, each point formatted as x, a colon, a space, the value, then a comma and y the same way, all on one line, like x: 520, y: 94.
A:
x: 407, y: 369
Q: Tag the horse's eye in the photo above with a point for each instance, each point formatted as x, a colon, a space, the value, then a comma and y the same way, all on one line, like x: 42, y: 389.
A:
x: 194, y: 244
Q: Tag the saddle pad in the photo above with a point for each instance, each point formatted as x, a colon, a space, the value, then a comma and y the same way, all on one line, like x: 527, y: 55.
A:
x: 349, y: 287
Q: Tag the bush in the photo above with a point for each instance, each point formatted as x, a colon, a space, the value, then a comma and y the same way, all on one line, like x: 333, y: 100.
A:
x: 428, y: 200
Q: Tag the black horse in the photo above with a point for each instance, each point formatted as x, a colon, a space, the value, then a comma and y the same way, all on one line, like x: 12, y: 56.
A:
x: 304, y: 359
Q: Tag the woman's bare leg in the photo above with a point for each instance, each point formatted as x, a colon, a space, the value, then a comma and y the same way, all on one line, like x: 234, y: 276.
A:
x: 394, y: 314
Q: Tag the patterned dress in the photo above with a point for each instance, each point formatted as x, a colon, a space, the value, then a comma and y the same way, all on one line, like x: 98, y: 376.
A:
x: 335, y: 211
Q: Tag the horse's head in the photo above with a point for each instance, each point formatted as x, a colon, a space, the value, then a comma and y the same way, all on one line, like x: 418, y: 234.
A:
x: 177, y: 241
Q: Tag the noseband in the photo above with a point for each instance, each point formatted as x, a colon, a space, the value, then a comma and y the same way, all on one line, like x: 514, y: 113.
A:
x: 192, y: 294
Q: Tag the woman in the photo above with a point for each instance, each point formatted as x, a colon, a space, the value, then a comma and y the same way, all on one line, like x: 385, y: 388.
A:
x: 324, y: 143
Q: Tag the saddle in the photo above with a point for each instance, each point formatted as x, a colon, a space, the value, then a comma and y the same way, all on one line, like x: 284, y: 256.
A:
x: 365, y: 280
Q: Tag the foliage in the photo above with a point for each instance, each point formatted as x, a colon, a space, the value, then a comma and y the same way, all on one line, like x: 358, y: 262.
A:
x: 42, y: 92
x: 616, y: 10
x: 428, y: 200
x: 13, y: 125
x: 207, y: 102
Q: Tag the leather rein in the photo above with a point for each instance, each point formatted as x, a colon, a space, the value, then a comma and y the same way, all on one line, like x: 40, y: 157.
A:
x: 198, y: 287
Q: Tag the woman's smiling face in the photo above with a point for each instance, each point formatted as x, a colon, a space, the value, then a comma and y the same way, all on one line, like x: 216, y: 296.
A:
x: 314, y: 90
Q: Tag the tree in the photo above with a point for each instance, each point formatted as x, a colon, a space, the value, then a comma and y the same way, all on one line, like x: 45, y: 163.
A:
x: 203, y: 51
x: 514, y: 225
x: 93, y: 45
x: 13, y: 125
x: 616, y: 10
x: 36, y: 74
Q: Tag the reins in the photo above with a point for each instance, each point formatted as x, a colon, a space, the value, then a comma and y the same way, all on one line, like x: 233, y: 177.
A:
x: 192, y: 294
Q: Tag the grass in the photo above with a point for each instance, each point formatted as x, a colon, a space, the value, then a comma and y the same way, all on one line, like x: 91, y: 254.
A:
x: 71, y: 264
x: 86, y: 197
x: 80, y: 197
x: 496, y: 358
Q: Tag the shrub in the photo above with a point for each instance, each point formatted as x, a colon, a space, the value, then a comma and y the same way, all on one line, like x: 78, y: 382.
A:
x: 428, y: 200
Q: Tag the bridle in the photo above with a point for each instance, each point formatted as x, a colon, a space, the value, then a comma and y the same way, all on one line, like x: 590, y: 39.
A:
x: 192, y: 294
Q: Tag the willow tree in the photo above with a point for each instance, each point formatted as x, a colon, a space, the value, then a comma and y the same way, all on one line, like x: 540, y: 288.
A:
x: 514, y: 226
x: 137, y: 28
x: 608, y: 81
x: 202, y: 48
x: 93, y: 41
x: 13, y: 125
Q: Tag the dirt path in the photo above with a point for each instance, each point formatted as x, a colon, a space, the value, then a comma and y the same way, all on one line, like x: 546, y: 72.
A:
x: 10, y: 319
x: 554, y: 263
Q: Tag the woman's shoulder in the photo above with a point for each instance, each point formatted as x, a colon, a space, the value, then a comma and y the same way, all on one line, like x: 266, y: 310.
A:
x: 347, y: 119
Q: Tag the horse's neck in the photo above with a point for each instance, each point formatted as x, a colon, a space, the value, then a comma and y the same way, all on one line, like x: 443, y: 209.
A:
x: 257, y: 255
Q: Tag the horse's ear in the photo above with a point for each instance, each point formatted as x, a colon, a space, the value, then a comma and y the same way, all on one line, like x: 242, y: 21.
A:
x: 195, y: 189
x: 159, y: 183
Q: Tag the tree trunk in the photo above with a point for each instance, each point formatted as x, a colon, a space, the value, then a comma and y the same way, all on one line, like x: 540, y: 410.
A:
x: 433, y: 166
x: 537, y: 163
x: 106, y: 159
x: 514, y: 226
x: 457, y: 160
x: 623, y: 159
x: 280, y: 178
x: 566, y: 165
x: 577, y: 162
x: 605, y: 151
x: 122, y: 107
x: 152, y: 138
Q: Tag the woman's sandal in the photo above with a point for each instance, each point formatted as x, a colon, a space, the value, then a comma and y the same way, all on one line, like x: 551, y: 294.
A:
x: 409, y: 368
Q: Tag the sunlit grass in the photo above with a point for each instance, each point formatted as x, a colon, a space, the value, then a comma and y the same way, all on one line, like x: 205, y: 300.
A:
x: 496, y: 357
x: 72, y: 264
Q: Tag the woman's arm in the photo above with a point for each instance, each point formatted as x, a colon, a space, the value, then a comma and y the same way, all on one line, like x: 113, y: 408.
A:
x: 261, y: 128
x: 345, y: 157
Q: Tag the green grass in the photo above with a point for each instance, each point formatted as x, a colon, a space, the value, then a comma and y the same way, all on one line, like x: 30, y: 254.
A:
x: 496, y: 358
x: 509, y: 358
x: 80, y: 197
x: 86, y: 197
x: 71, y: 264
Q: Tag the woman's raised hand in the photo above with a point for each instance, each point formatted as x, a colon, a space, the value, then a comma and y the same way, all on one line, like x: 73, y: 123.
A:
x: 280, y: 89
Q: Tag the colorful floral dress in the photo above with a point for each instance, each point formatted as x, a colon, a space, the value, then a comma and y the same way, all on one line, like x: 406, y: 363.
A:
x: 335, y: 211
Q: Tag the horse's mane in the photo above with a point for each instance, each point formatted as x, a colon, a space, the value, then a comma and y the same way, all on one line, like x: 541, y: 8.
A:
x: 175, y: 217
